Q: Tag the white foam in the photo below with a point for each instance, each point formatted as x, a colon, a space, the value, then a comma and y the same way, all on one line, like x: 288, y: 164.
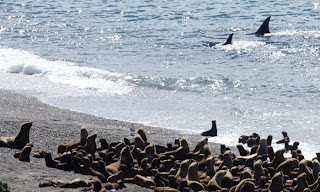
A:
x: 23, y: 62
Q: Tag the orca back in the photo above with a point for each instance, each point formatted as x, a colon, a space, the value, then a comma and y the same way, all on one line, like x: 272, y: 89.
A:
x: 264, y: 28
x: 229, y: 40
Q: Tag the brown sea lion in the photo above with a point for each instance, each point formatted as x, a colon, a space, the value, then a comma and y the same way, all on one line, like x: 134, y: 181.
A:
x: 67, y: 184
x: 91, y: 145
x: 126, y: 157
x: 25, y: 153
x: 19, y: 140
x: 63, y: 147
x: 258, y: 170
x: 139, y: 142
x: 276, y: 184
x: 242, y: 150
x: 301, y: 183
x: 305, y: 169
x: 87, y: 170
x: 245, y: 185
x: 263, y: 146
x: 143, y: 181
x: 40, y: 153
x: 183, y: 170
x: 222, y: 179
x: 315, y: 167
x: 142, y: 133
x: 278, y: 158
x: 287, y: 166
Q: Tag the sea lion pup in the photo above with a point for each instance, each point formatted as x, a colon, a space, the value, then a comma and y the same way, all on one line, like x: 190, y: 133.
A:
x: 63, y: 147
x: 263, y: 146
x: 276, y: 184
x: 222, y: 179
x: 278, y: 158
x: 284, y: 138
x: 193, y: 179
x: 19, y: 140
x: 305, y: 169
x: 242, y: 150
x: 287, y: 166
x: 301, y: 183
x: 212, y: 132
x: 39, y: 153
x: 144, y: 181
x: 24, y: 155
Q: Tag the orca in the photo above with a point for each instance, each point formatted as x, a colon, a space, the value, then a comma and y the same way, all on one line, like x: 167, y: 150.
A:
x: 264, y: 28
x: 212, y: 132
x: 211, y: 44
x: 229, y: 40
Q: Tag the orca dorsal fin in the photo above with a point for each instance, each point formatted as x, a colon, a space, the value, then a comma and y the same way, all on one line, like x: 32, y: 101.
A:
x: 264, y: 28
x: 229, y: 40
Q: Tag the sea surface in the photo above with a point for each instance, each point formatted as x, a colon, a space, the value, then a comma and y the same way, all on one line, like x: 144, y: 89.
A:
x: 148, y: 61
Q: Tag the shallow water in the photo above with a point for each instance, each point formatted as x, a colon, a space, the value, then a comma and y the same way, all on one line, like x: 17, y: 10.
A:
x: 145, y: 61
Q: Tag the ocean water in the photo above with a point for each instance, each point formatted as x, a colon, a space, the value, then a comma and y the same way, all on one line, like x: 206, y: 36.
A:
x: 147, y: 62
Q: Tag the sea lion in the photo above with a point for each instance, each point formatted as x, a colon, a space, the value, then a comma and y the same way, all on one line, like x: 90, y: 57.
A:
x: 143, y: 181
x: 19, y: 140
x: 91, y: 145
x: 242, y: 150
x: 63, y: 147
x: 126, y: 157
x: 49, y: 161
x: 305, y: 169
x: 142, y: 133
x: 183, y: 170
x: 315, y: 167
x: 278, y: 158
x: 284, y: 138
x: 193, y: 172
x: 263, y: 146
x: 301, y: 183
x: 25, y: 153
x: 276, y: 184
x: 222, y: 179
x: 210, y: 166
x: 139, y: 142
x: 258, y: 170
x: 245, y: 185
x: 287, y: 166
x: 87, y: 170
x: 39, y: 153
x: 67, y: 184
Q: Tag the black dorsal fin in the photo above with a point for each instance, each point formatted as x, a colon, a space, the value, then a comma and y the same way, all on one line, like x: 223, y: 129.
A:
x: 264, y: 28
x: 229, y: 40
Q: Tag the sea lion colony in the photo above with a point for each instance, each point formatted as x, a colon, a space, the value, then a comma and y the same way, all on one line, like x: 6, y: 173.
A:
x: 176, y: 167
